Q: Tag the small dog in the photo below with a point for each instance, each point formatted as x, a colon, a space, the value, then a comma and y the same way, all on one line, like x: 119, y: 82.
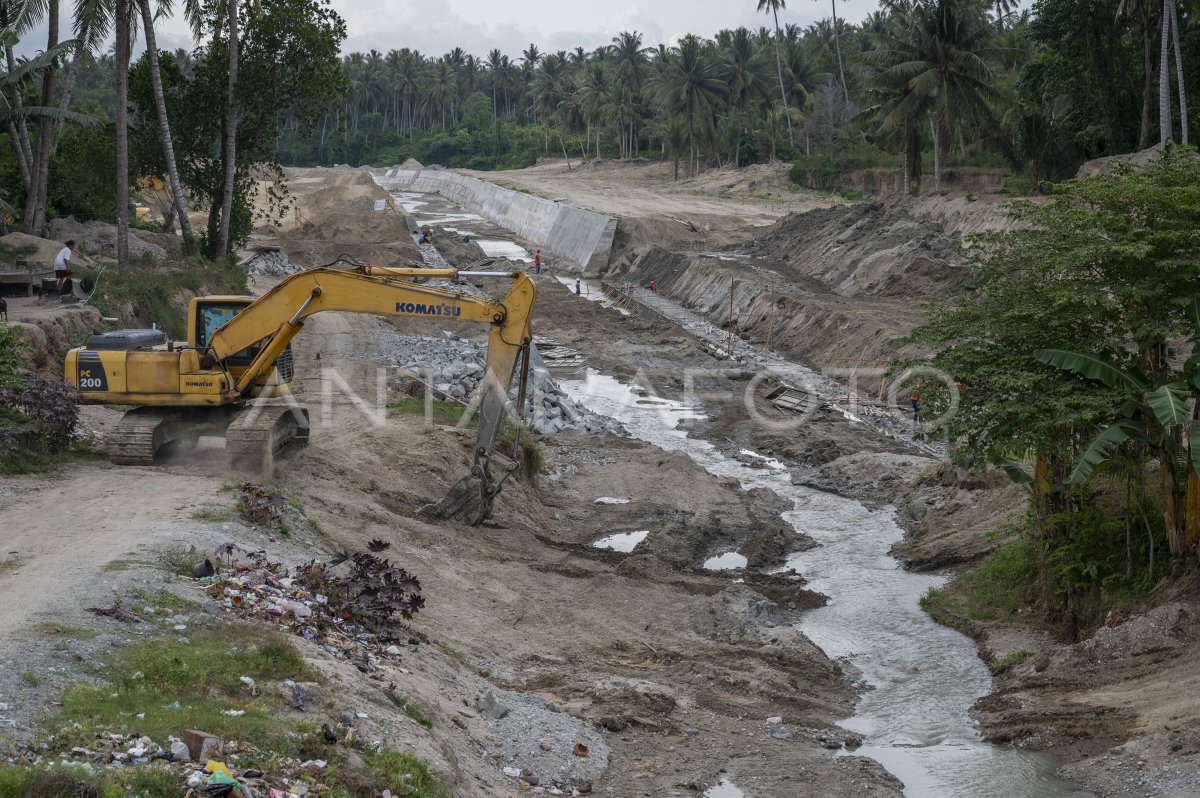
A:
x: 3, y: 308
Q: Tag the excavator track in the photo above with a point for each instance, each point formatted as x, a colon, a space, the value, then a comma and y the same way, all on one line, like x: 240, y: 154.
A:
x: 259, y: 432
x: 139, y: 435
x: 142, y: 433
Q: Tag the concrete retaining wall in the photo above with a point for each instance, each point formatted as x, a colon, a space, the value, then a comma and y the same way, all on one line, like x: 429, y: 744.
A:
x: 582, y: 237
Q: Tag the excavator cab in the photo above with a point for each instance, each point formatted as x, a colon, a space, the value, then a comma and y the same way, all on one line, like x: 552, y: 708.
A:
x: 208, y: 314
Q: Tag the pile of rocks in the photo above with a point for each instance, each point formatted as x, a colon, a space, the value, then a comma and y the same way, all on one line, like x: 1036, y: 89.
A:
x: 454, y: 367
x: 270, y: 262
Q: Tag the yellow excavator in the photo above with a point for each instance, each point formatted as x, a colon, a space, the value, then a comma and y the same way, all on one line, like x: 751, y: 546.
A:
x: 231, y: 377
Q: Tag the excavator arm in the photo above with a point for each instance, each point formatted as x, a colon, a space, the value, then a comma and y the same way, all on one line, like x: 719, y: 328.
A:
x: 382, y: 291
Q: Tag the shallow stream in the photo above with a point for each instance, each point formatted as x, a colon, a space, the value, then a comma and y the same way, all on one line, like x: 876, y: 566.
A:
x: 923, y: 677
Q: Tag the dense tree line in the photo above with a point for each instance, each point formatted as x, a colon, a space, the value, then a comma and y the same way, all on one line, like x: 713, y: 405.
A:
x: 921, y: 85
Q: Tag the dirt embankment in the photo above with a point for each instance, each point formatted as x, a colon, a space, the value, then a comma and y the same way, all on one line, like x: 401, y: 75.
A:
x: 48, y: 331
x: 833, y: 288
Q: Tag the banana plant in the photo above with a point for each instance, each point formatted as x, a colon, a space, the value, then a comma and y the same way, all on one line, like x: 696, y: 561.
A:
x: 1164, y: 418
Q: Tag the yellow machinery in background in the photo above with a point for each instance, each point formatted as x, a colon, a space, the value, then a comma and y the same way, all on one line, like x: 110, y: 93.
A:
x: 231, y: 377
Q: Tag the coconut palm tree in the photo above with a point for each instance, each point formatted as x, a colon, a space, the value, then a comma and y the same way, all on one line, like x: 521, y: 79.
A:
x: 160, y: 108
x: 936, y: 68
x: 774, y: 6
x: 689, y: 84
x: 630, y: 60
x: 837, y: 47
x: 231, y: 118
x: 121, y: 119
x: 595, y: 96
x: 742, y: 69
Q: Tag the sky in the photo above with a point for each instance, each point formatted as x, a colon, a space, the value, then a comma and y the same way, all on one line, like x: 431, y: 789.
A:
x: 437, y: 26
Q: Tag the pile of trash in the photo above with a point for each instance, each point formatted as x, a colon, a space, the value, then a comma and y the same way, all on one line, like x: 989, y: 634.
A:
x: 454, y: 368
x: 199, y: 760
x: 270, y: 262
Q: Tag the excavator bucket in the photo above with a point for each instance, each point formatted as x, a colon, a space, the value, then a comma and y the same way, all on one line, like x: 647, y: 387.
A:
x: 469, y: 500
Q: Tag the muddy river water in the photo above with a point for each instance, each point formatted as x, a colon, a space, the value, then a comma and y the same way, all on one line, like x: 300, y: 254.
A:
x: 923, y: 678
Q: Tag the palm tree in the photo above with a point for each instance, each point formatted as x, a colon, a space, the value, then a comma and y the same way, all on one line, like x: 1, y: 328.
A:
x: 630, y: 59
x: 935, y: 66
x: 688, y: 84
x: 493, y: 63
x: 595, y: 96
x: 121, y: 119
x: 774, y: 6
x: 160, y: 107
x: 837, y: 47
x: 1183, y: 117
x: 742, y: 69
x: 1169, y: 39
x: 230, y: 146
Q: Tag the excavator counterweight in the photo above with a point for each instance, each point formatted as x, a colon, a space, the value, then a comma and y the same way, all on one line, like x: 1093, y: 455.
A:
x: 232, y: 376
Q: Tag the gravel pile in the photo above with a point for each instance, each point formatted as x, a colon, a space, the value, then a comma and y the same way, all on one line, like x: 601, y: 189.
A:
x: 270, y: 262
x: 455, y: 366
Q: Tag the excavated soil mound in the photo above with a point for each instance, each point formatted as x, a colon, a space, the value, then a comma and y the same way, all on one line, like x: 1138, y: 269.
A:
x: 45, y: 251
x: 100, y: 238
x: 336, y: 215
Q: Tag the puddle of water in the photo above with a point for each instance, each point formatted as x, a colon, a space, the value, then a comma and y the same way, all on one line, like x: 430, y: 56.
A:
x: 590, y: 290
x: 623, y: 542
x: 916, y: 724
x: 724, y: 789
x: 611, y: 500
x: 725, y: 562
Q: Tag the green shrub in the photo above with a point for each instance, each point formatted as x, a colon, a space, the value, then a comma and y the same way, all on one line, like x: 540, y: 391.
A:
x: 37, y: 425
x: 12, y: 375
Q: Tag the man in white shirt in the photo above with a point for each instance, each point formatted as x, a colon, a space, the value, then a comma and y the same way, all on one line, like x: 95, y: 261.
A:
x: 62, y: 264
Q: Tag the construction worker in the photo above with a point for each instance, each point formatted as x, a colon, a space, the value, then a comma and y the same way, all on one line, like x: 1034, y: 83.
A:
x: 62, y: 265
x: 537, y: 260
x: 653, y: 287
x: 577, y: 291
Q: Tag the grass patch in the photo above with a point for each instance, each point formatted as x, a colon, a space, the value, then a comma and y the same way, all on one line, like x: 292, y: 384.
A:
x: 405, y: 775
x: 120, y: 564
x: 1001, y: 583
x: 10, y: 565
x: 178, y: 560
x: 454, y: 654
x: 59, y: 781
x: 448, y: 413
x: 414, y: 710
x: 203, y: 678
x: 214, y: 515
x: 163, y: 598
x: 66, y: 632
x: 440, y: 411
x: 30, y: 678
x: 152, y: 293
x: 1010, y: 659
